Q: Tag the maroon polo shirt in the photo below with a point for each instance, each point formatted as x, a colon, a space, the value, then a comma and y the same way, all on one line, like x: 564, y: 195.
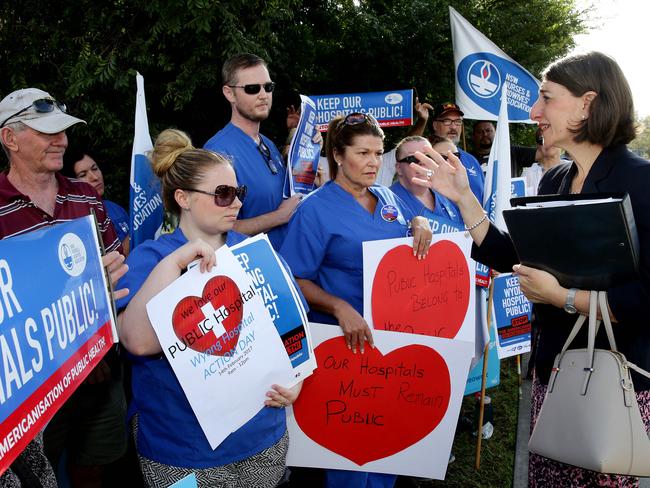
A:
x: 19, y: 215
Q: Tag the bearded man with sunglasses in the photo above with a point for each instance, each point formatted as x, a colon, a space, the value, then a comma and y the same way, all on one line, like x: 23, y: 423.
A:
x: 33, y: 195
x: 258, y: 164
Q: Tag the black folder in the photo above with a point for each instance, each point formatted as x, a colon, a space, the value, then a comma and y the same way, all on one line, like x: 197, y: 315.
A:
x: 590, y: 246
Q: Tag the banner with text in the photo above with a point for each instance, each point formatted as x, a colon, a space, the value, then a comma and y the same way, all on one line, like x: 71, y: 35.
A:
x: 390, y: 108
x: 304, y: 154
x: 275, y: 286
x: 220, y: 340
x: 434, y: 296
x: 482, y: 69
x: 392, y: 409
x: 56, y: 324
x: 512, y: 316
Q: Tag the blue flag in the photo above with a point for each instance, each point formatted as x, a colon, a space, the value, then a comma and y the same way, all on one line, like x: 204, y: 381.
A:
x: 145, y: 203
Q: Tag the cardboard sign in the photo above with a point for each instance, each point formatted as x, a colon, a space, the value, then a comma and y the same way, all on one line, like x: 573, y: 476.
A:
x: 512, y: 314
x: 56, y: 324
x: 392, y: 409
x: 221, y: 343
x: 434, y: 297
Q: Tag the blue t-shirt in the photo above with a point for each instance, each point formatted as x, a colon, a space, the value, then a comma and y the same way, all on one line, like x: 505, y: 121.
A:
x: 119, y: 217
x: 264, y: 188
x: 325, y: 236
x: 474, y: 174
x: 168, y: 431
x: 445, y: 216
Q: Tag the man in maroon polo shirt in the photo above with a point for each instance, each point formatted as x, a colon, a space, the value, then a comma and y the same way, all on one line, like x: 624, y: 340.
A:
x: 33, y: 195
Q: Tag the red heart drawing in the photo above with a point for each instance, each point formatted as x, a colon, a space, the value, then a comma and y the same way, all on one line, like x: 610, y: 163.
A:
x: 195, y: 328
x: 428, y: 297
x: 369, y: 406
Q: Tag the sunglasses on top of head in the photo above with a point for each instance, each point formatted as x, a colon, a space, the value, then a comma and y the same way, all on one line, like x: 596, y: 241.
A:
x: 254, y: 88
x: 224, y: 195
x: 41, y: 106
x: 356, y: 118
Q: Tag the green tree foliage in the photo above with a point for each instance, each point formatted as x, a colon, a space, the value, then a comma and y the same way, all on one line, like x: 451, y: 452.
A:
x: 87, y: 52
x: 641, y: 145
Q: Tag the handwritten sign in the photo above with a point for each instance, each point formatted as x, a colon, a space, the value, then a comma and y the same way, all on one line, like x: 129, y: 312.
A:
x: 434, y: 297
x: 392, y: 409
x: 56, y: 324
x: 220, y: 340
x: 512, y: 316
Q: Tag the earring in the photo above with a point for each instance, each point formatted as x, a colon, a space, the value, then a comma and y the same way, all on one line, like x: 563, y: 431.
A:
x: 584, y: 117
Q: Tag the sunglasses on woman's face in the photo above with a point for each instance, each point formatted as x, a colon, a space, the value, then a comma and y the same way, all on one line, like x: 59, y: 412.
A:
x: 224, y: 195
x: 254, y: 88
x: 412, y: 159
x: 444, y: 156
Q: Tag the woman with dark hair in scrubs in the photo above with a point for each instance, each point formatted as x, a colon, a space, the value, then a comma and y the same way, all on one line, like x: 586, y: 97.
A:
x: 323, y: 246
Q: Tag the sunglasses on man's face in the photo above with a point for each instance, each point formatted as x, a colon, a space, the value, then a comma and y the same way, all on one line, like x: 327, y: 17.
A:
x: 254, y: 88
x: 224, y: 195
x: 41, y: 106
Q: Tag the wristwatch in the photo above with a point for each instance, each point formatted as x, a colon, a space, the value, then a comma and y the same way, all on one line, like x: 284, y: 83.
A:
x: 570, y: 304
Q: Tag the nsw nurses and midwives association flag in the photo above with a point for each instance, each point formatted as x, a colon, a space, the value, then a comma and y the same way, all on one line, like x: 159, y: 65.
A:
x: 482, y: 69
x: 145, y: 203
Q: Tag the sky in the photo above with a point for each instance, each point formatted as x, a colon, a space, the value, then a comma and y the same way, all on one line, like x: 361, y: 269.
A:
x: 620, y: 28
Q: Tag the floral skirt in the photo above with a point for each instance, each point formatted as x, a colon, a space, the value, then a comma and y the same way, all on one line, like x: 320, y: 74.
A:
x: 544, y: 472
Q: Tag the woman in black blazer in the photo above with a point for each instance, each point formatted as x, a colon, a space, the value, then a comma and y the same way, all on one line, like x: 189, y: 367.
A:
x: 585, y: 107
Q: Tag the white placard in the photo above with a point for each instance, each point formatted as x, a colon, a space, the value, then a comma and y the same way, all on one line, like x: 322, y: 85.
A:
x: 434, y: 296
x: 392, y: 410
x: 221, y: 343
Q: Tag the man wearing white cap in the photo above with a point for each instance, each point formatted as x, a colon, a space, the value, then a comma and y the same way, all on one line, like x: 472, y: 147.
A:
x: 33, y: 195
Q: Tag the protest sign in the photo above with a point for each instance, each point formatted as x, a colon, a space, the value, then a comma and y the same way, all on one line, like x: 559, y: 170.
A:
x: 482, y: 69
x: 493, y: 374
x: 220, y: 340
x: 304, y: 154
x: 518, y: 187
x: 273, y: 284
x: 392, y: 409
x: 512, y: 314
x: 390, y: 108
x: 434, y: 296
x: 56, y: 325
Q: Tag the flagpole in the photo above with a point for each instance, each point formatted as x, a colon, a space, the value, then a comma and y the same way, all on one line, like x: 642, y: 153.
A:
x: 483, y: 380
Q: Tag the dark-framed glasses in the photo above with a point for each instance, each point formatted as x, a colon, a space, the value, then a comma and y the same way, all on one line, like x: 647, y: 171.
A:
x: 444, y: 156
x: 41, y: 106
x: 410, y: 159
x: 224, y: 195
x: 266, y: 154
x: 254, y: 88
x: 450, y: 122
x: 356, y: 118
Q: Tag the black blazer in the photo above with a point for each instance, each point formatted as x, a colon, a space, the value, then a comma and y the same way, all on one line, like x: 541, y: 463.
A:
x: 615, y: 170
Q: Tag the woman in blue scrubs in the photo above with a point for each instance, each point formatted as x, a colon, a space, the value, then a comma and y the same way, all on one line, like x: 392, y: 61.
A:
x: 323, y: 246
x: 200, y: 187
x: 443, y: 215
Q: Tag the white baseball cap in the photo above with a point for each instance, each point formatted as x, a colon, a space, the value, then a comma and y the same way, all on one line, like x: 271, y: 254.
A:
x: 36, y: 109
